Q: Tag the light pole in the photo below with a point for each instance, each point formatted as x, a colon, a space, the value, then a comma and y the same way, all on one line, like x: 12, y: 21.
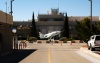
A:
x: 90, y: 14
x: 6, y: 11
x: 14, y: 31
x: 11, y: 7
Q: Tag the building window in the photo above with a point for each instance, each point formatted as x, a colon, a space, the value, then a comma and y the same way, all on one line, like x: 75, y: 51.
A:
x: 50, y: 19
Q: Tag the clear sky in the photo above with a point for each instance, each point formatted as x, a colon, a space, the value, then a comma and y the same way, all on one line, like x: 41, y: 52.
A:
x: 23, y: 9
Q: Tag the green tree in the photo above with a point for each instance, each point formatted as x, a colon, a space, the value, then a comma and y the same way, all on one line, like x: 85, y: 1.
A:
x: 33, y: 27
x: 83, y: 29
x: 65, y: 31
x: 97, y: 27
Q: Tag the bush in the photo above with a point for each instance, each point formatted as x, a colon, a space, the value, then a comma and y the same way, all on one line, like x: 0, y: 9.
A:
x: 56, y: 41
x: 39, y: 42
x: 63, y: 39
x: 69, y: 39
x: 47, y: 41
x: 33, y: 39
x: 73, y: 41
x: 27, y: 38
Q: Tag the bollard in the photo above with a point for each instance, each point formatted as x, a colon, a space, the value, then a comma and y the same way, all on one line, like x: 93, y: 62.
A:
x: 52, y: 42
x: 71, y: 43
x: 61, y: 43
x: 19, y: 46
x: 22, y: 44
x: 25, y: 45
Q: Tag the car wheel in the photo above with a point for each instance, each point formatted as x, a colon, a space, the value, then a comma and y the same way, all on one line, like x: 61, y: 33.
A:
x: 91, y: 48
x: 88, y: 47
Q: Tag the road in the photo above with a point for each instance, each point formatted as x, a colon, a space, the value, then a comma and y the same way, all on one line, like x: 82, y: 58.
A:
x: 47, y: 53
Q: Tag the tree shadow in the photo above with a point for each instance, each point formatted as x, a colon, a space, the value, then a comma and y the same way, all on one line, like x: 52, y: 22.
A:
x: 17, y: 56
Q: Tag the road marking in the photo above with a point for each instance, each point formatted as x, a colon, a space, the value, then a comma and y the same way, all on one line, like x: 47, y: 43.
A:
x: 49, y: 55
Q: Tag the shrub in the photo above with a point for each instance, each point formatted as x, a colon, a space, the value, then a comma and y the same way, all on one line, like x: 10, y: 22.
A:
x: 27, y: 38
x: 47, y: 41
x: 56, y: 41
x: 63, y: 39
x: 32, y: 39
x: 69, y: 39
x: 73, y: 41
x: 39, y: 42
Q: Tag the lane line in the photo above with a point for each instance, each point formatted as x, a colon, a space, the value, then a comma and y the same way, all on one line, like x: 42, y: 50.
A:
x: 49, y: 55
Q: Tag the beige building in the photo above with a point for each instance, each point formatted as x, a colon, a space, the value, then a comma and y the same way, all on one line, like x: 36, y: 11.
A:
x: 54, y: 21
x: 6, y: 35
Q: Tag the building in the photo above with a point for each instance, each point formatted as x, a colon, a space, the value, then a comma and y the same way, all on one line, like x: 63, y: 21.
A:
x: 54, y: 22
x: 6, y: 35
x: 50, y: 22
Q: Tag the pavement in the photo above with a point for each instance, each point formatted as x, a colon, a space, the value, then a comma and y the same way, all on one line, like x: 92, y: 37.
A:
x: 48, y: 53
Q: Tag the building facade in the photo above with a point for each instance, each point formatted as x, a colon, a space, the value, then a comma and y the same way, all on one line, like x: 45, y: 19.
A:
x: 6, y: 35
x: 54, y: 21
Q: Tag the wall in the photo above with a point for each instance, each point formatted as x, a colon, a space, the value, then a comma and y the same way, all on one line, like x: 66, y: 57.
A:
x: 6, y: 35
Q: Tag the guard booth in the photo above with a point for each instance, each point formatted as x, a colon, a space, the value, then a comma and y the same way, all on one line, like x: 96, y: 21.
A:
x: 6, y: 35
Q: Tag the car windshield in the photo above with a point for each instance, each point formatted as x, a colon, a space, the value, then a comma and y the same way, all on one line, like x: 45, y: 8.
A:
x: 97, y: 37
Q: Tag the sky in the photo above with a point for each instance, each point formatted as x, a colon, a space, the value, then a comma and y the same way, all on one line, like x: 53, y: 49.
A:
x: 23, y: 9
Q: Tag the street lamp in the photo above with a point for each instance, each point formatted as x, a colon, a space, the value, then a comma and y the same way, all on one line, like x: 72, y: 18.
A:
x: 11, y: 7
x: 6, y: 11
x: 90, y: 14
x: 14, y: 38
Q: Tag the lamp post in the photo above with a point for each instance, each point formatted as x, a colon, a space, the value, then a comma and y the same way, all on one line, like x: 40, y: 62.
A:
x: 11, y: 7
x: 90, y: 14
x: 14, y: 37
x: 6, y: 11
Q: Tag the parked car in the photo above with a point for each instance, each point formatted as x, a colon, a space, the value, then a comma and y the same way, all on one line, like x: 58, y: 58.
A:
x: 94, y: 42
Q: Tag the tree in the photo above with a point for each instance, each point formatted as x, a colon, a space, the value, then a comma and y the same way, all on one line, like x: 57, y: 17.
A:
x: 65, y: 31
x: 33, y: 27
x: 83, y: 29
x: 97, y: 27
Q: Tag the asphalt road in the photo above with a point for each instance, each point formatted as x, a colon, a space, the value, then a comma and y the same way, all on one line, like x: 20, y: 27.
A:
x: 47, y: 53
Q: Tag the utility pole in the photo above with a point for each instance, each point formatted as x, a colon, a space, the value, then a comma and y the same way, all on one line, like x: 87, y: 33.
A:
x: 90, y: 14
x: 11, y: 7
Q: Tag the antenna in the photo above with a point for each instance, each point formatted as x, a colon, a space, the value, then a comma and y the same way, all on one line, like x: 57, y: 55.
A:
x: 6, y: 6
x: 58, y: 5
x: 8, y: 10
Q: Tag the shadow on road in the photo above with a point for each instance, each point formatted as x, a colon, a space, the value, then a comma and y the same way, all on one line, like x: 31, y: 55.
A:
x: 16, y: 57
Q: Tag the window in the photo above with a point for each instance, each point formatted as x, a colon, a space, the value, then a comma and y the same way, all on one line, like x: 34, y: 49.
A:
x: 97, y: 37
